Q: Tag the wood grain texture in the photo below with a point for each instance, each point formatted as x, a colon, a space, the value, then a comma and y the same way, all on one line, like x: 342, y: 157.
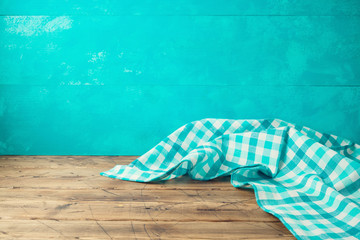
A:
x: 86, y: 208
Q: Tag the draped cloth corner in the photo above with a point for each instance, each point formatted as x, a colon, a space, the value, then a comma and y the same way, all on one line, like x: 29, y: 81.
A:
x: 307, y: 179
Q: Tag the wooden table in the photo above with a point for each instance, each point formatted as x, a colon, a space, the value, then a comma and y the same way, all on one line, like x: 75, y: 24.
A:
x: 64, y: 197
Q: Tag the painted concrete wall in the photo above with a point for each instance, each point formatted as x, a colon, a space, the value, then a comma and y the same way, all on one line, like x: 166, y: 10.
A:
x: 115, y: 77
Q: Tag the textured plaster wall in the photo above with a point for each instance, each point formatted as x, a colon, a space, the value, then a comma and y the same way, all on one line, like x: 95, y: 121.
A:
x: 115, y: 77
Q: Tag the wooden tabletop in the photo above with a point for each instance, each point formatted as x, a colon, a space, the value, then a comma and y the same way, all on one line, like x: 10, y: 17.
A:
x: 64, y: 197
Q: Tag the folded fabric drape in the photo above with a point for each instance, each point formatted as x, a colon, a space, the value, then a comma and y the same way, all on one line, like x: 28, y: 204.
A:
x: 307, y: 179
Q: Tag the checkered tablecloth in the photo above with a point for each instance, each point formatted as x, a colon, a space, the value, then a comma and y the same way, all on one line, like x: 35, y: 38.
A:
x: 307, y: 179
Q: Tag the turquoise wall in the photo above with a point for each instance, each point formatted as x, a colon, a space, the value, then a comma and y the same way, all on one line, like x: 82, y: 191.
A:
x: 115, y: 77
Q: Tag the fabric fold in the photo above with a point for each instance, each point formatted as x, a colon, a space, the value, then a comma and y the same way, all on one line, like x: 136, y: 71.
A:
x: 309, y: 180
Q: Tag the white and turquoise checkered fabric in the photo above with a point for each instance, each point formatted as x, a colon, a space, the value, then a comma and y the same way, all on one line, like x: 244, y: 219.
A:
x: 309, y: 180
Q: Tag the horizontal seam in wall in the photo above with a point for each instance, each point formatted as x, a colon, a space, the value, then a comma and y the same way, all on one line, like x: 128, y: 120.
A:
x: 176, y: 85
x: 176, y: 15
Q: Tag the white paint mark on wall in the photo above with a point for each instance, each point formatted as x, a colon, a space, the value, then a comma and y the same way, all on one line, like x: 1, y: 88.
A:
x: 59, y: 23
x: 66, y: 69
x: 90, y: 72
x: 11, y: 46
x: 99, y: 56
x: 97, y: 82
x: 128, y: 70
x: 24, y: 25
x: 51, y: 47
x: 137, y: 72
x: 44, y: 91
x: 35, y: 25
x: 74, y: 83
x: 93, y: 73
x: 71, y: 83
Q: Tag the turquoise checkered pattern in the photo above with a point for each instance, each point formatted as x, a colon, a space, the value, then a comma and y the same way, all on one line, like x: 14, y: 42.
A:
x: 307, y: 179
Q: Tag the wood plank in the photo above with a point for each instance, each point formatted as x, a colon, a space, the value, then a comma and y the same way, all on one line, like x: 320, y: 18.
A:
x: 66, y: 162
x: 116, y: 114
x: 100, y: 182
x: 54, y: 172
x: 143, y: 195
x: 178, y: 211
x: 179, y: 7
x: 37, y: 229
